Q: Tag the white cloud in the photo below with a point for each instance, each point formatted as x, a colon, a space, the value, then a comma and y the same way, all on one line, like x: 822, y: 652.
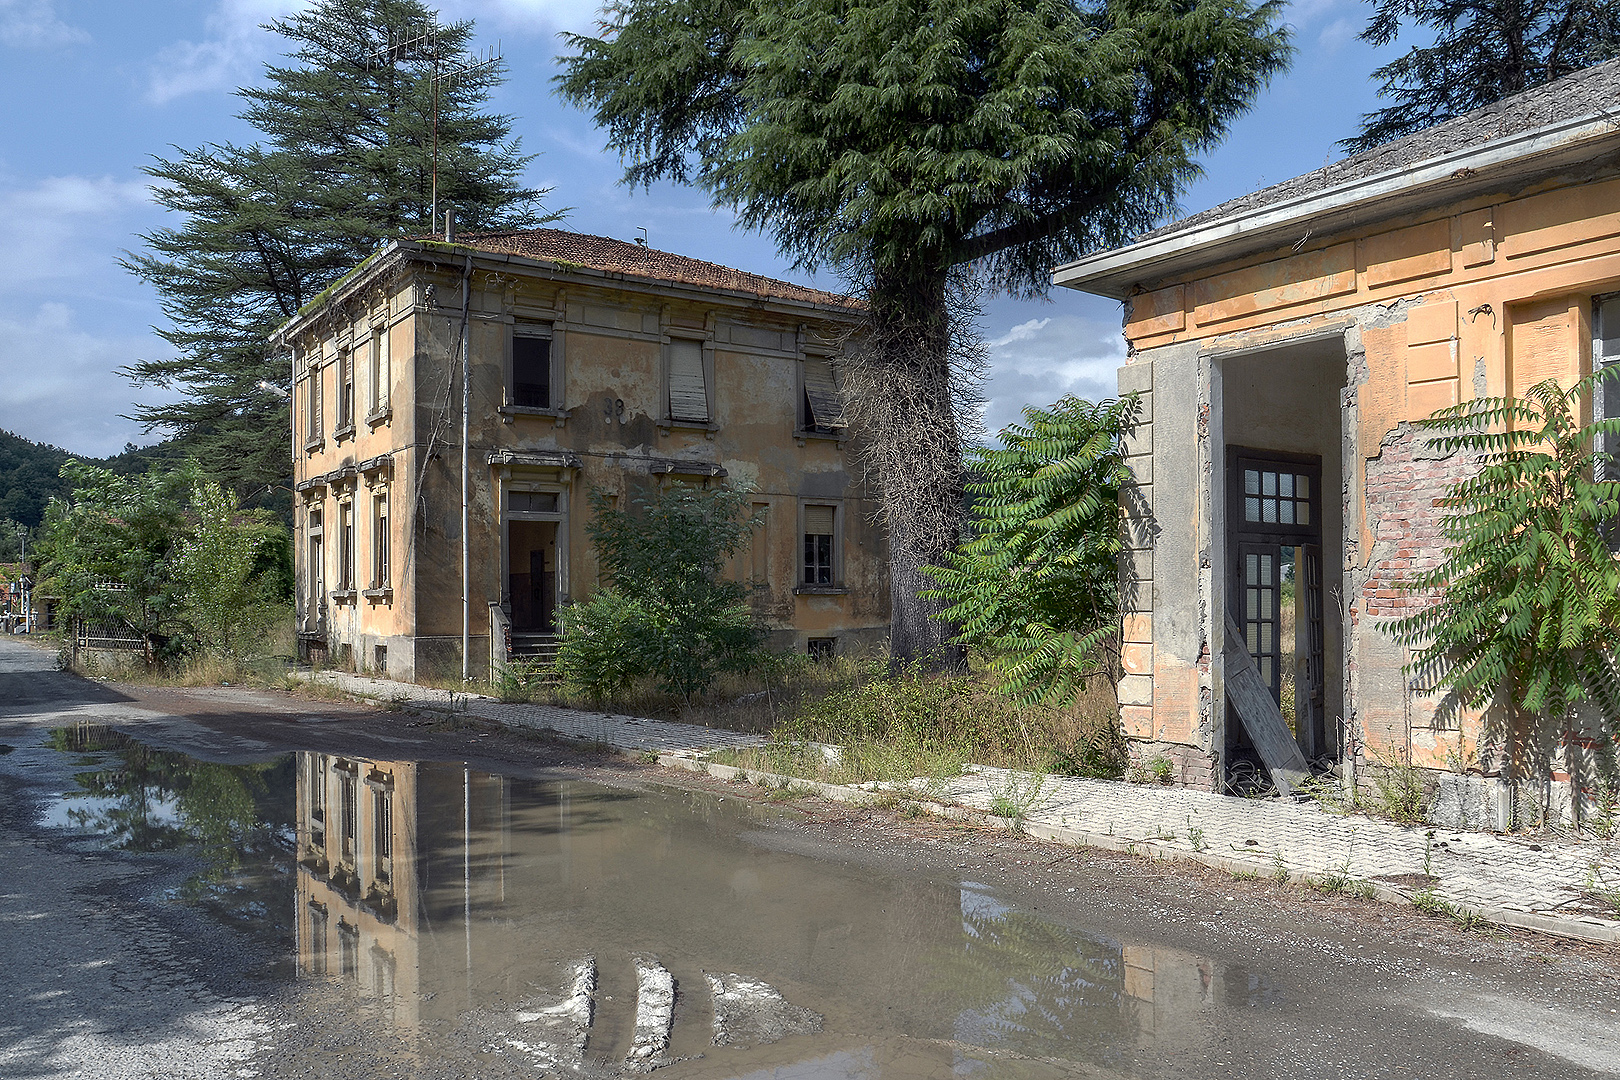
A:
x: 60, y: 226
x: 1338, y: 33
x: 33, y: 24
x: 60, y: 386
x: 1038, y: 361
x: 230, y: 55
x: 526, y: 16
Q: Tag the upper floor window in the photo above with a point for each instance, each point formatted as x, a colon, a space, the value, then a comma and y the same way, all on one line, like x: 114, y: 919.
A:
x: 345, y: 389
x: 531, y: 367
x: 688, y: 382
x: 346, y: 545
x: 312, y: 400
x: 378, y: 374
x: 821, y: 408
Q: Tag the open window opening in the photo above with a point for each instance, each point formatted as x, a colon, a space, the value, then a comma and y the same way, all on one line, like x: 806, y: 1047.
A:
x: 821, y: 408
x: 531, y: 368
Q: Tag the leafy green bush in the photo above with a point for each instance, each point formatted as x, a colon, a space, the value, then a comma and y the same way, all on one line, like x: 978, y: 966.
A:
x: 1527, y: 594
x: 665, y: 611
x: 1035, y: 585
x: 168, y: 555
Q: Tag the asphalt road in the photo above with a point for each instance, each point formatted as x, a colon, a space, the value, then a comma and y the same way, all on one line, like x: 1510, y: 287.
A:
x: 108, y: 975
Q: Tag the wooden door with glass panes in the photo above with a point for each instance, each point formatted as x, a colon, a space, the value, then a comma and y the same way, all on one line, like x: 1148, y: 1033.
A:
x: 1274, y: 541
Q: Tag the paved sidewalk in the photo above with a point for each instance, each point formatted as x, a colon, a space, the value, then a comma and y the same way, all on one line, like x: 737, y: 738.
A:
x: 1551, y: 884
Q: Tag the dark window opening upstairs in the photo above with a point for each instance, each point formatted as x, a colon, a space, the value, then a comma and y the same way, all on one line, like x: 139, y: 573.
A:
x: 531, y: 372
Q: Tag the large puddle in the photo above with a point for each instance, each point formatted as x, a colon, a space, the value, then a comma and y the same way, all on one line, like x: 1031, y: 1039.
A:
x: 587, y: 930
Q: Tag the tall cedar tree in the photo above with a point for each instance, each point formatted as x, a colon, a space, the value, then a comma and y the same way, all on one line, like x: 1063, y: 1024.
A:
x: 1483, y: 51
x: 345, y: 163
x: 914, y: 143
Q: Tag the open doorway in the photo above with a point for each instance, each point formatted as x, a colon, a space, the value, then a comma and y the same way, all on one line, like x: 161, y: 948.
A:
x: 1283, y: 487
x: 532, y: 578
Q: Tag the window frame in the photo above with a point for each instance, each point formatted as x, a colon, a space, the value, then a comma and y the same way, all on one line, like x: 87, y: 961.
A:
x: 804, y: 410
x: 379, y: 372
x: 346, y: 547
x: 315, y: 565
x: 835, y: 554
x: 381, y: 539
x: 314, y: 433
x: 344, y: 391
x: 705, y: 345
x: 552, y: 331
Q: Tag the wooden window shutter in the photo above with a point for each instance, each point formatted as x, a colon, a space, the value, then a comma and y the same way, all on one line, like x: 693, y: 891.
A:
x: 688, y: 396
x: 821, y: 392
x: 818, y: 520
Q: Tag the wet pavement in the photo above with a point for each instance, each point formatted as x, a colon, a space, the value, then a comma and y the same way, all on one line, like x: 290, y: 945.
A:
x: 222, y: 882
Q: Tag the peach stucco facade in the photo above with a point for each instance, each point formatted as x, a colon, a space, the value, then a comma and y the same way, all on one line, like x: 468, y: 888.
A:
x: 573, y: 372
x: 1299, y: 333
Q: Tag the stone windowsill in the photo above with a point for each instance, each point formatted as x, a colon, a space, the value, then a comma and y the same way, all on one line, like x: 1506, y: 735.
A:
x: 344, y: 432
x: 386, y: 595
x: 343, y: 596
x: 804, y: 435
x: 380, y: 416
x: 820, y: 590
x: 708, y: 427
x: 314, y: 444
x: 558, y: 415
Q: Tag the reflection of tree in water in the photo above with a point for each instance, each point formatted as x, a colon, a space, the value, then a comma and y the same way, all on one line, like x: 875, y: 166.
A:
x: 1019, y: 982
x: 236, y: 819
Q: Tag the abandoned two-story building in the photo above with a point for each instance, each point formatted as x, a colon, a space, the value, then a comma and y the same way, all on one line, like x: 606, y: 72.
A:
x: 591, y: 364
x: 1283, y: 345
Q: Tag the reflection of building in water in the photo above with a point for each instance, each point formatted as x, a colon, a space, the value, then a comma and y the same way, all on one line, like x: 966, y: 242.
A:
x: 440, y: 894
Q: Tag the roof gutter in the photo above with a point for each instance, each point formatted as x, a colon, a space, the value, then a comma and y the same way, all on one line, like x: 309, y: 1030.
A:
x: 1117, y: 273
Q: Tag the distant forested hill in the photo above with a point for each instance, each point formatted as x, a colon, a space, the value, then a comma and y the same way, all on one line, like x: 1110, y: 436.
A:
x: 29, y: 473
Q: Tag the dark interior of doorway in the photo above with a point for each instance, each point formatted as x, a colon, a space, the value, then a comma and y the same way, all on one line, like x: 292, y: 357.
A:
x: 1274, y: 541
x: 532, y: 584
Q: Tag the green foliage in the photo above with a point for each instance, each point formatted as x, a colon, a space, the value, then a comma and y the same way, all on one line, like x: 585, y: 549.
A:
x: 1528, y: 593
x: 1481, y: 51
x: 345, y: 164
x: 31, y: 475
x: 665, y: 610
x: 227, y: 598
x: 925, y: 149
x: 1019, y: 133
x: 1036, y: 584
x: 167, y: 554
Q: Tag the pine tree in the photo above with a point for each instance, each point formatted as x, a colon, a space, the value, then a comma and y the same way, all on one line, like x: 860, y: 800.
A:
x: 1483, y: 51
x: 915, y: 145
x: 346, y: 163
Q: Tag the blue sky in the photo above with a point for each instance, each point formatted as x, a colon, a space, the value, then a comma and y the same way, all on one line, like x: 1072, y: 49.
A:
x: 94, y: 88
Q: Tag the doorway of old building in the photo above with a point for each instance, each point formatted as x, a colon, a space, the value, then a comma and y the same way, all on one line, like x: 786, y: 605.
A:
x: 532, y: 577
x: 1281, y: 497
x: 1274, y: 546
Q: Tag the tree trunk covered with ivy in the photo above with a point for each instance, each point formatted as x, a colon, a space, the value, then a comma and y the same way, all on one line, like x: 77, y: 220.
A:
x: 913, y: 144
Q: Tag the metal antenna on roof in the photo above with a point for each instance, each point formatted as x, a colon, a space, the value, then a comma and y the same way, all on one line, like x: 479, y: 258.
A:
x: 424, y: 50
x: 642, y: 239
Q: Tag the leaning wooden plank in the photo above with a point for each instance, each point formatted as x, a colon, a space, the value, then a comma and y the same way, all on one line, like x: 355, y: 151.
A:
x: 1251, y: 699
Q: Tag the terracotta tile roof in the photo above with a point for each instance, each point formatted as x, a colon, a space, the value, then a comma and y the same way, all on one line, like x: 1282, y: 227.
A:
x: 619, y: 257
x: 1581, y: 93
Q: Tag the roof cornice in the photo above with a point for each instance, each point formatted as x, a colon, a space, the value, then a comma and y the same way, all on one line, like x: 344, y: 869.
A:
x: 1449, y: 177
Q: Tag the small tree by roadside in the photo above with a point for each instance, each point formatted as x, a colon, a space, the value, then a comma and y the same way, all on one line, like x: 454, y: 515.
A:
x: 1527, y: 595
x: 1035, y: 586
x: 168, y: 555
x: 665, y: 610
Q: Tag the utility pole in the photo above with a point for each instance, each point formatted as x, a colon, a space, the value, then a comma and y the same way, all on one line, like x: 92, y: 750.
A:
x: 425, y: 49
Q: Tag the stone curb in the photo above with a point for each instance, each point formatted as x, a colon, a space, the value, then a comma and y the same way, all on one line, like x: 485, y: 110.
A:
x: 1080, y: 838
x: 1572, y: 929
